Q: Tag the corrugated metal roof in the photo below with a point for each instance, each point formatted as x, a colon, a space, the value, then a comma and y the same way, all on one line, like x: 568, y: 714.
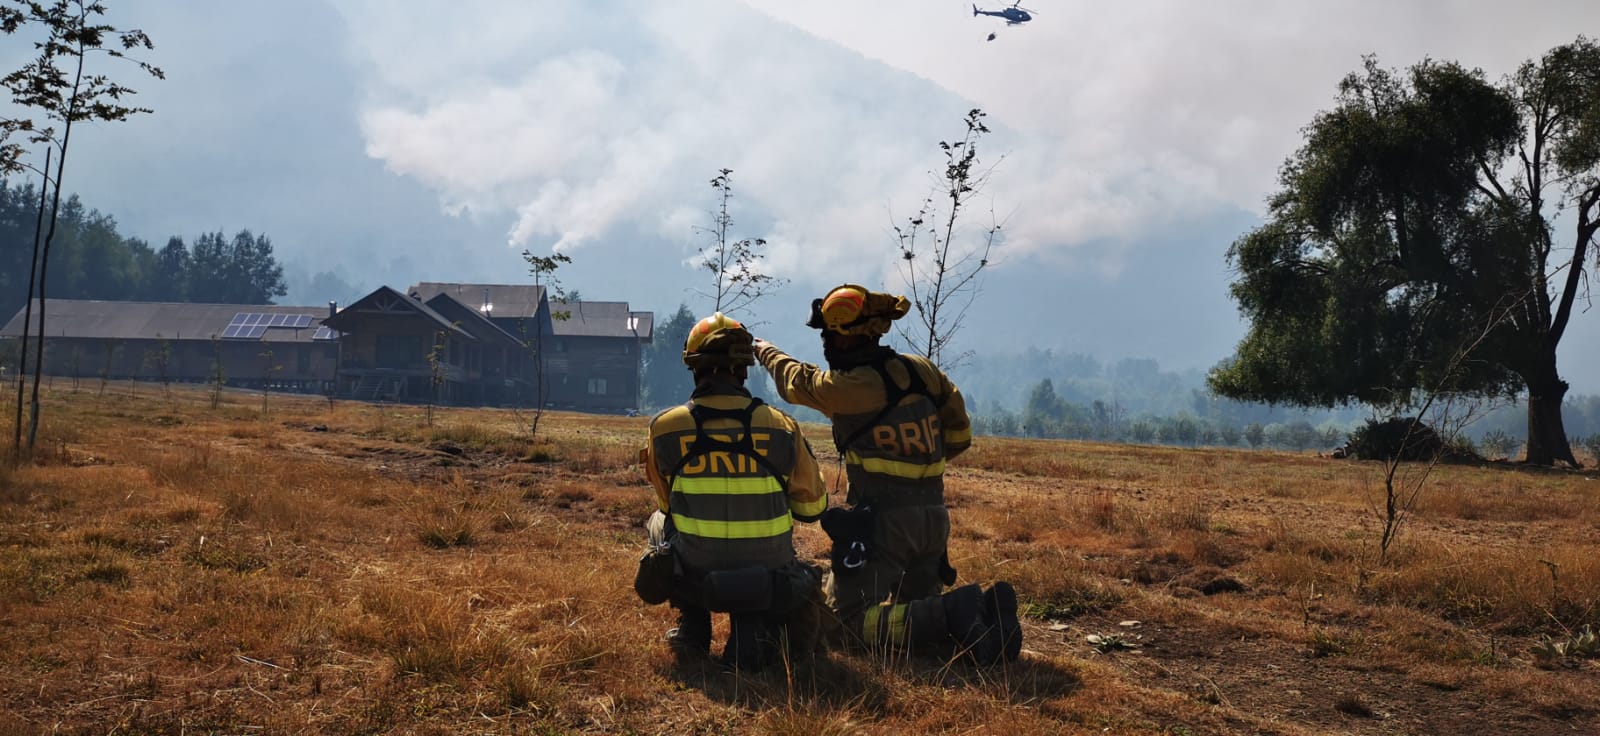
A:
x: 113, y: 320
x: 507, y: 300
x: 601, y: 319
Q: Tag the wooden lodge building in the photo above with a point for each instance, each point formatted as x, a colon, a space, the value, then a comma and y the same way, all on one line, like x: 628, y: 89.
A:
x: 478, y: 340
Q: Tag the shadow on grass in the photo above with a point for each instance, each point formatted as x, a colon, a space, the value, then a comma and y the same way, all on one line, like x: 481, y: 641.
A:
x: 844, y: 686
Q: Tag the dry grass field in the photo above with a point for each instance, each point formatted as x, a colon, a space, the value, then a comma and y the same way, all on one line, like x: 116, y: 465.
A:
x: 167, y: 567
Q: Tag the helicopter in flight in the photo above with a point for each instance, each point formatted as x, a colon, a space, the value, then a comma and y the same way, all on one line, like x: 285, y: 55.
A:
x: 1014, y: 15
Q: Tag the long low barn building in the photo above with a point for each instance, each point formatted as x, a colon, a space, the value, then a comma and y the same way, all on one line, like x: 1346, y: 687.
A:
x: 283, y: 346
x: 434, y: 342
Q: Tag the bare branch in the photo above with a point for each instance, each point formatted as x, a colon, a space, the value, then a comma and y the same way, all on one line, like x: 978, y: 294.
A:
x: 943, y: 274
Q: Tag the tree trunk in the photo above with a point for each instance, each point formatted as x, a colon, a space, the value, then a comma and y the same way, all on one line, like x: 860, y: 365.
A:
x: 27, y: 312
x: 1547, y: 433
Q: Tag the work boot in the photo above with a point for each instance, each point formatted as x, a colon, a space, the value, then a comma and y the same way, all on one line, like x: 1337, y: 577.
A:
x: 692, y: 636
x: 751, y: 645
x: 973, y: 629
x: 1000, y: 608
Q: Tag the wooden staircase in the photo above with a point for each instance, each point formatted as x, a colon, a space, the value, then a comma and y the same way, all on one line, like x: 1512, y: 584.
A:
x: 374, y: 387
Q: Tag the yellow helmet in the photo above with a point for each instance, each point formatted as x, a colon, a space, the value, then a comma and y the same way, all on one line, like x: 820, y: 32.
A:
x: 853, y: 310
x: 718, y: 341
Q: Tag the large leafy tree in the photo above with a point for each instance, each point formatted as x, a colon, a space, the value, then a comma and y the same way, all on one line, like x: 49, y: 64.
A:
x: 1414, y: 246
x: 172, y: 267
x: 238, y: 271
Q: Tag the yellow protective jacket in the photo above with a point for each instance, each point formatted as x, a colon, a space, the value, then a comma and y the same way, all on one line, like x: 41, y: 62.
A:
x: 729, y: 509
x: 892, y: 458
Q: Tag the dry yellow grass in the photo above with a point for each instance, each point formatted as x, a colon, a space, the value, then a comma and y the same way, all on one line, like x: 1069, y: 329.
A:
x: 166, y: 567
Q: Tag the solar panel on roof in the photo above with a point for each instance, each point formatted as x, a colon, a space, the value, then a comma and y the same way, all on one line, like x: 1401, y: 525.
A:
x: 302, y: 321
x: 256, y: 332
x: 326, y: 333
x: 238, y: 319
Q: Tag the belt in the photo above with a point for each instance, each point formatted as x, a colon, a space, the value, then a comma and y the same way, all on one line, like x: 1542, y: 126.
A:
x: 898, y: 498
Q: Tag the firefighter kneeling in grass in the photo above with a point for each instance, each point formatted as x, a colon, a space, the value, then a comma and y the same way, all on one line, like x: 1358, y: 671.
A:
x: 896, y: 420
x: 731, y: 476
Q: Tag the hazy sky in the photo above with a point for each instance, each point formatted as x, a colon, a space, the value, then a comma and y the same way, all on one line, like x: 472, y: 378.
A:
x: 397, y: 141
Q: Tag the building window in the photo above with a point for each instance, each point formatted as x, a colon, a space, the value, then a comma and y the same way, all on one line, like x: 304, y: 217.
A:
x: 597, y: 386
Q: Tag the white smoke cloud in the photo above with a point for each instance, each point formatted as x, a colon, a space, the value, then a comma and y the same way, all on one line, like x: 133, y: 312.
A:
x: 577, y: 120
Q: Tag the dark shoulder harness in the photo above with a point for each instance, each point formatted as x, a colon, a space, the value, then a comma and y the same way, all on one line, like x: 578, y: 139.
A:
x: 705, y: 444
x: 893, y: 395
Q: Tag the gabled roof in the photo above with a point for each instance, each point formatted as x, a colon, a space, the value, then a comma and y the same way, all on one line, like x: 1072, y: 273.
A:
x: 602, y: 319
x: 506, y: 300
x: 384, y: 300
x: 469, y: 319
x: 117, y: 320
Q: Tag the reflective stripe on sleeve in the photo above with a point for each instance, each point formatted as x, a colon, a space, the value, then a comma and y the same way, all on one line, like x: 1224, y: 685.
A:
x: 957, y: 436
x: 808, y: 509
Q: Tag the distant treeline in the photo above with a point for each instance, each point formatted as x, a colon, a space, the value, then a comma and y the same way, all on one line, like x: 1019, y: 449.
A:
x: 1041, y: 393
x: 89, y: 259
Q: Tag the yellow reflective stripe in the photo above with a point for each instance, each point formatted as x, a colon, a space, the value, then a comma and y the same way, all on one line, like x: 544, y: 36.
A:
x: 897, y: 468
x: 808, y: 508
x: 714, y: 529
x: 897, y: 624
x: 871, y: 631
x: 956, y: 436
x: 727, y: 486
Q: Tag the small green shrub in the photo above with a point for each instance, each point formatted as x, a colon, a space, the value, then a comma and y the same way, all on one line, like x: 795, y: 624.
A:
x: 1498, y: 444
x: 1583, y: 643
x: 1405, y: 438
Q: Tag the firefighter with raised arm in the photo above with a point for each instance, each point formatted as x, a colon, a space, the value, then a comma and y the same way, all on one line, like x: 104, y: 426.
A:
x: 731, y: 476
x: 896, y: 420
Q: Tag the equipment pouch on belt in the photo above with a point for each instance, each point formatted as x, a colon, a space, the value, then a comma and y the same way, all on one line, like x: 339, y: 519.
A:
x: 746, y: 589
x: 851, y: 532
x: 793, y: 585
x: 654, y: 580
